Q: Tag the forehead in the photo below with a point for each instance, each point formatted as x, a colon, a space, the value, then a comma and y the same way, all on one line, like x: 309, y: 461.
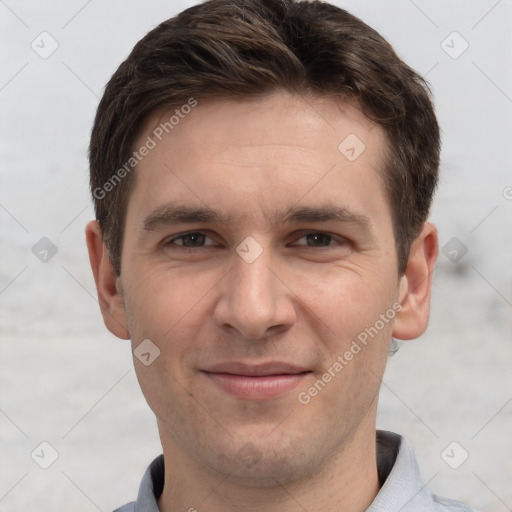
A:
x: 310, y: 118
x: 268, y: 153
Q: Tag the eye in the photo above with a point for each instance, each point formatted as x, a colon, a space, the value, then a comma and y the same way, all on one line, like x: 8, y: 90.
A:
x: 313, y: 239
x: 320, y: 239
x: 189, y: 240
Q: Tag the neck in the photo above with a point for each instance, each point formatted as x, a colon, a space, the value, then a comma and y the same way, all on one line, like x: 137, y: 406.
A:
x: 347, y: 482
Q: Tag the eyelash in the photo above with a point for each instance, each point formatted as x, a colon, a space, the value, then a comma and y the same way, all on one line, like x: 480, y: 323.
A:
x: 338, y: 239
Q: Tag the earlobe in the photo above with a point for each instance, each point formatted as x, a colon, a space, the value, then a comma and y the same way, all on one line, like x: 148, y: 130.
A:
x: 416, y: 285
x: 109, y: 291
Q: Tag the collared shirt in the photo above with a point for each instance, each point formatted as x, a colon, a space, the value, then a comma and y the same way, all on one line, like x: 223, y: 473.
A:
x: 401, y: 491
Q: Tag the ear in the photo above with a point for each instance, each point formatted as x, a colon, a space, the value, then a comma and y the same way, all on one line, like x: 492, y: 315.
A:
x: 107, y: 283
x: 416, y: 285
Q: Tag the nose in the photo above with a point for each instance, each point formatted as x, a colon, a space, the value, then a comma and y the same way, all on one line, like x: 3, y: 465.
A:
x: 255, y: 299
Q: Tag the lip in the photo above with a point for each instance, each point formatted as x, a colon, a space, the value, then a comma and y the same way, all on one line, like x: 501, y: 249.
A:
x: 256, y: 382
x: 257, y: 370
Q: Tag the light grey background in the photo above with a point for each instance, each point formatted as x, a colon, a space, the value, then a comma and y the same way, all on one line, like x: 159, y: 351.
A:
x: 65, y: 380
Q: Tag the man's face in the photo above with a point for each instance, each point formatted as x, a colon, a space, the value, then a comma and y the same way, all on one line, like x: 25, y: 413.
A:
x: 249, y: 314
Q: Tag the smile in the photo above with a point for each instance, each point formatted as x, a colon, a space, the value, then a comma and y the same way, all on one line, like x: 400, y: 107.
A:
x: 256, y: 382
x: 256, y: 388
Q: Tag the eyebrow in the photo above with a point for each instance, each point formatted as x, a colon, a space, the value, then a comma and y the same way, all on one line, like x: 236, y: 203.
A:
x: 180, y: 214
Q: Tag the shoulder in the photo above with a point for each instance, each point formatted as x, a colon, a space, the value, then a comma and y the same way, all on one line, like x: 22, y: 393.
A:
x: 129, y: 507
x: 150, y: 489
x: 402, y: 487
x: 448, y: 505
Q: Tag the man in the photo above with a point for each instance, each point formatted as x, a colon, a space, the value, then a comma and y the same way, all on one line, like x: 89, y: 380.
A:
x: 262, y: 173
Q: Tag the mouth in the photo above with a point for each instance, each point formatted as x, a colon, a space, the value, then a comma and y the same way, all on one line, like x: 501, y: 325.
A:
x: 256, y: 382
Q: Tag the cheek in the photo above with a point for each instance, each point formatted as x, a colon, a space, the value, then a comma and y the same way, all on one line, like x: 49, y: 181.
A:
x: 170, y: 308
x: 164, y: 311
x: 159, y: 299
x: 348, y: 300
x: 360, y: 314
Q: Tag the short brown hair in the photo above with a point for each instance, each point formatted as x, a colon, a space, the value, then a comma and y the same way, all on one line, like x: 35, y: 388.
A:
x: 249, y: 48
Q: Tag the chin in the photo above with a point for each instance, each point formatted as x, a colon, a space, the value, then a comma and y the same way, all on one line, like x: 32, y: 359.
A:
x: 266, y: 462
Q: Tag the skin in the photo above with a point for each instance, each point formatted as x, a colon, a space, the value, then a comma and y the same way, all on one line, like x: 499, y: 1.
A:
x: 302, y: 301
